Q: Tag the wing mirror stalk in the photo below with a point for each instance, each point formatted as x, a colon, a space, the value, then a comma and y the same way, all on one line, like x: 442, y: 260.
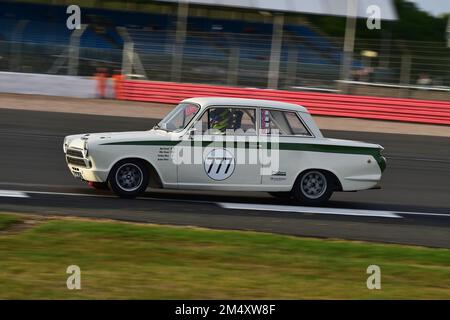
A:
x: 191, y: 132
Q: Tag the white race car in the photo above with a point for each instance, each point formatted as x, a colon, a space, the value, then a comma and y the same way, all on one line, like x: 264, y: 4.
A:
x: 227, y: 144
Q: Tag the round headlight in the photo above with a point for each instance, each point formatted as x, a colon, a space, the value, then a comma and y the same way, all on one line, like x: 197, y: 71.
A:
x: 65, y: 145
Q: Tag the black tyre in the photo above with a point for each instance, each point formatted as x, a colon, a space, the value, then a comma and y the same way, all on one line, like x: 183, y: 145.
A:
x: 129, y: 178
x: 99, y: 185
x: 314, y: 187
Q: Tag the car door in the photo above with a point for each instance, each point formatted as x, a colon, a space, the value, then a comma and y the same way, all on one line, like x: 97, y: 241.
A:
x: 282, y: 157
x: 220, y: 150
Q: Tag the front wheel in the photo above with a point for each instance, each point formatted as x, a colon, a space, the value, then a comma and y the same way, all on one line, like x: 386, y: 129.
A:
x: 313, y: 187
x: 129, y: 178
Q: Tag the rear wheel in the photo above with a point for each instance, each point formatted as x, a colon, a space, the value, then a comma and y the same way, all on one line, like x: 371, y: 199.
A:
x: 129, y: 178
x: 314, y: 187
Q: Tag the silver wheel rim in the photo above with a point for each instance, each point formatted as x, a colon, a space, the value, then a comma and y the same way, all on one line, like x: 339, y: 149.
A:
x: 313, y: 184
x: 129, y: 177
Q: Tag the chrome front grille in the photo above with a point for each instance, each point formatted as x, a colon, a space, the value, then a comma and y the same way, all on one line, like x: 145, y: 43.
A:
x: 75, y: 157
x: 76, y: 161
x: 75, y: 153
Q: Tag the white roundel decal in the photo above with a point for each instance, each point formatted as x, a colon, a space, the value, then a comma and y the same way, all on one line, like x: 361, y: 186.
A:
x: 219, y: 164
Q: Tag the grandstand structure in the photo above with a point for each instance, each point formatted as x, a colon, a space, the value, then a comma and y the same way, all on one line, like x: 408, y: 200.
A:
x: 223, y: 51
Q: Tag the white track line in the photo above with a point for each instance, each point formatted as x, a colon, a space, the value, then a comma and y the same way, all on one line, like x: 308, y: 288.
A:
x: 242, y: 206
x: 71, y: 194
x: 423, y: 214
x: 41, y: 185
x: 316, y: 210
x: 13, y: 194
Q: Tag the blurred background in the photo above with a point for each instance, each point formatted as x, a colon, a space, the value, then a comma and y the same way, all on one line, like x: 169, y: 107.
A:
x: 292, y: 45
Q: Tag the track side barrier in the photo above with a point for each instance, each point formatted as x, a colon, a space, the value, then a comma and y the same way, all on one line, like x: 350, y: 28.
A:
x: 326, y: 104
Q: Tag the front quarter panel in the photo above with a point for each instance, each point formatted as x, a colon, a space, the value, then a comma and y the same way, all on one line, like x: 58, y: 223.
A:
x: 156, y: 152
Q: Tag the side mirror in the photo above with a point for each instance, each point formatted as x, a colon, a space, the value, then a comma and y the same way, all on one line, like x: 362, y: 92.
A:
x: 191, y: 132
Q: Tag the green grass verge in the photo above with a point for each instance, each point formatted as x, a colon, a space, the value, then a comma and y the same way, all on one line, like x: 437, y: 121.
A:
x: 119, y: 260
x: 7, y: 220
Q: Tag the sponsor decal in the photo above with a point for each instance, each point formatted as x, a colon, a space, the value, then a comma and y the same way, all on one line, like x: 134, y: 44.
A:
x: 278, y: 176
x: 164, y: 153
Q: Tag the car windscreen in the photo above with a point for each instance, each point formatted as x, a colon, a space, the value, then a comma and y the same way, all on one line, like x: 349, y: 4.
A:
x: 179, y: 117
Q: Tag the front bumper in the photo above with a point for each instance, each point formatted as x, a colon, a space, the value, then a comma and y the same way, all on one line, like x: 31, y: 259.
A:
x: 82, y: 167
x: 86, y: 174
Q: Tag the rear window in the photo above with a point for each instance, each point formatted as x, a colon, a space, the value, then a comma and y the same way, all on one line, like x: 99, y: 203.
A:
x: 286, y: 122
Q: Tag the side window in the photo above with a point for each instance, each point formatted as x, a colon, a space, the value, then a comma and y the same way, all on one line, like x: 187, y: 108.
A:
x: 219, y: 120
x: 295, y: 124
x: 286, y: 122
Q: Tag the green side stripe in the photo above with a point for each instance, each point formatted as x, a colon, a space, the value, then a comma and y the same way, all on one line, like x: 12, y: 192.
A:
x: 143, y: 143
x: 375, y: 152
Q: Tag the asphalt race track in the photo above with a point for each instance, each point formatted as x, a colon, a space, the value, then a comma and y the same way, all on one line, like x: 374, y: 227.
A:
x: 412, y: 208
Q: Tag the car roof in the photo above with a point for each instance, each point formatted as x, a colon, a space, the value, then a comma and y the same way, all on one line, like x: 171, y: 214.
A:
x: 224, y: 101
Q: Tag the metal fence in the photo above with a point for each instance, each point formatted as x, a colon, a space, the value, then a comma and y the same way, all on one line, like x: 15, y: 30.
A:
x: 386, y: 67
x: 55, y: 59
